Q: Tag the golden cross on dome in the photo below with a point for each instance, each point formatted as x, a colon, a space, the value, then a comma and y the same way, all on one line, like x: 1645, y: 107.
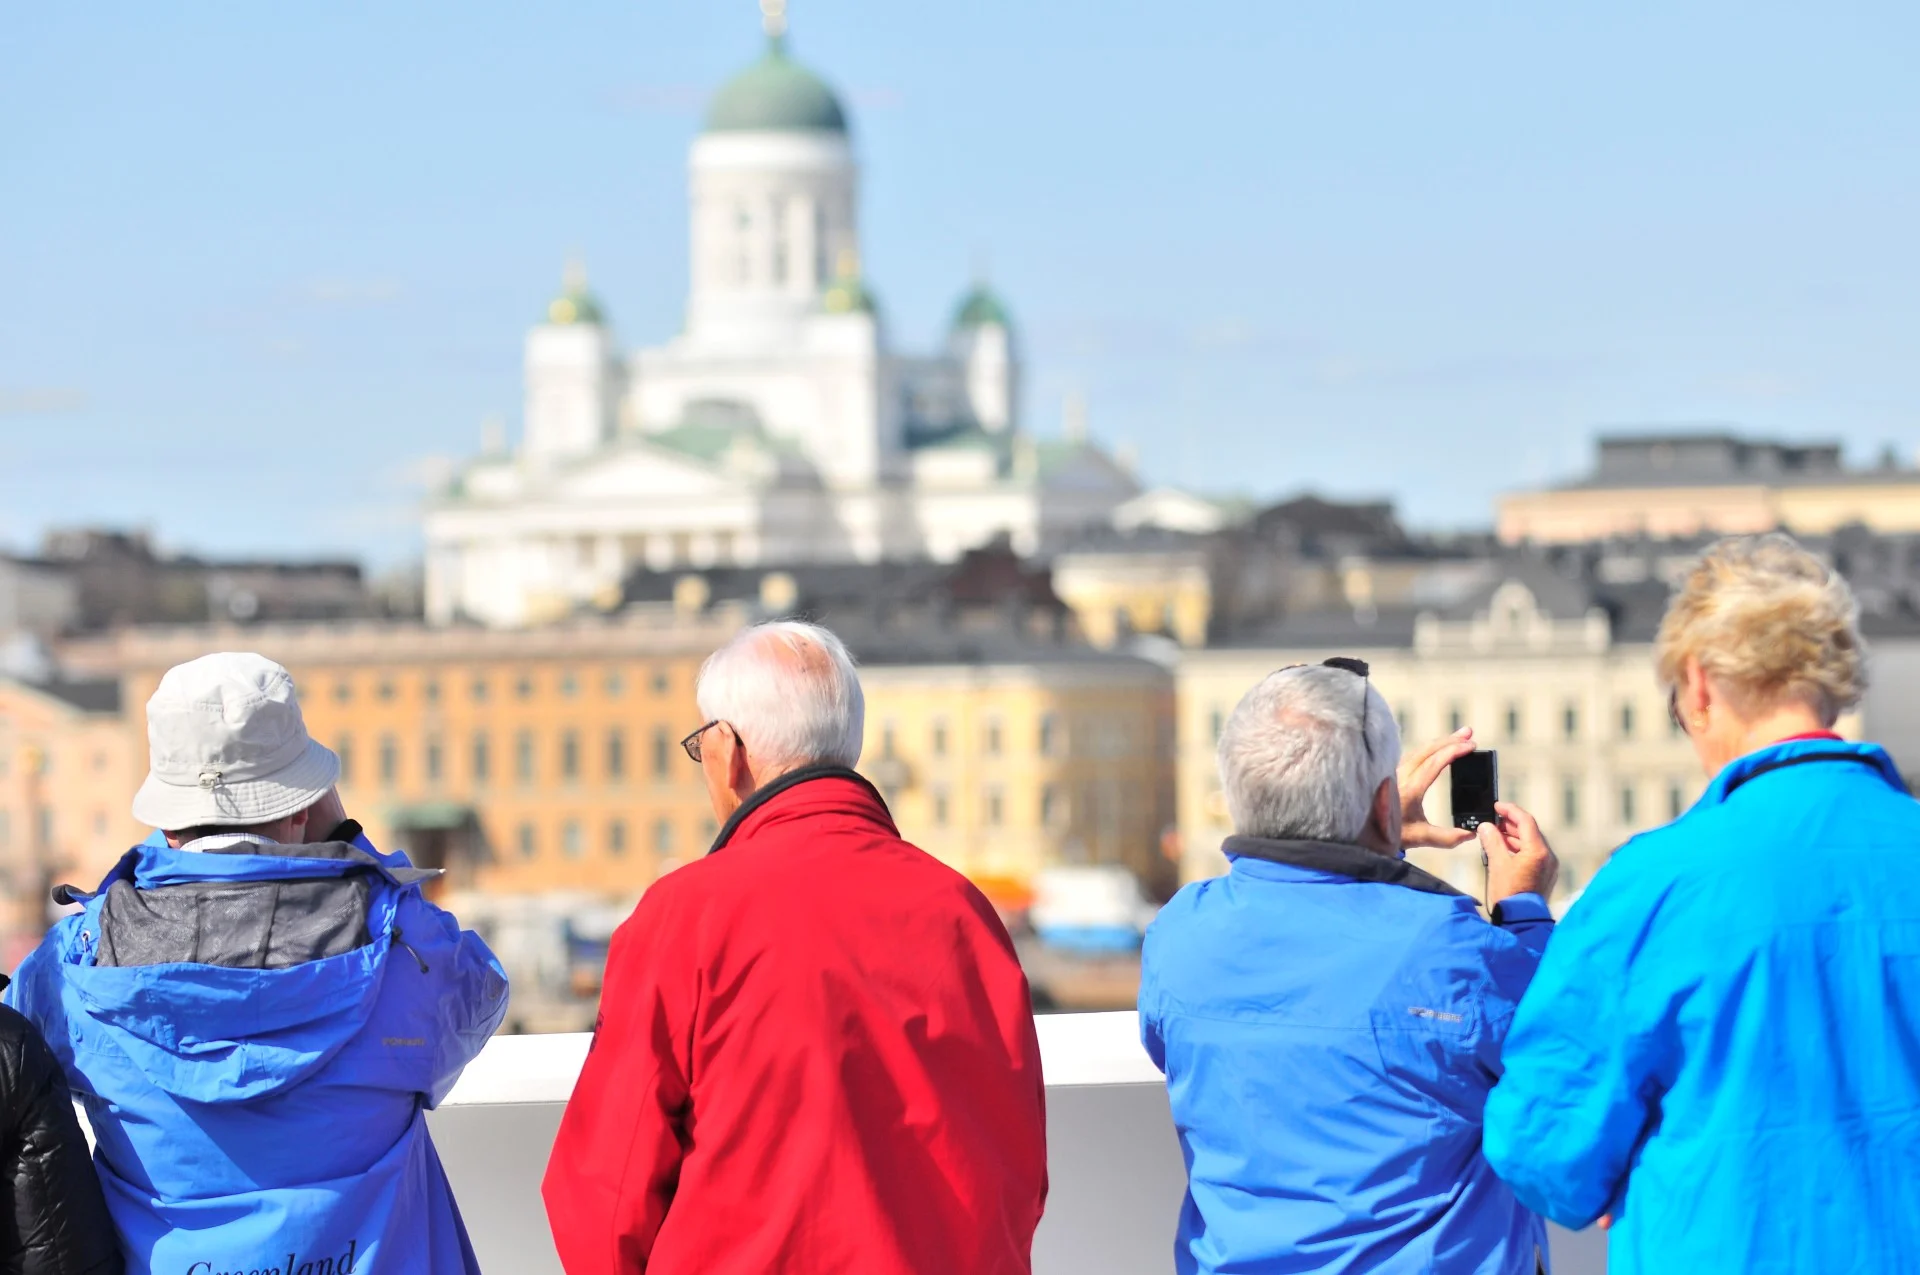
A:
x: 773, y: 16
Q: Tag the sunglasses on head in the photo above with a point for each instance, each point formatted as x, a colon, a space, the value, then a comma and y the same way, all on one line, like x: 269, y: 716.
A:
x: 1360, y: 669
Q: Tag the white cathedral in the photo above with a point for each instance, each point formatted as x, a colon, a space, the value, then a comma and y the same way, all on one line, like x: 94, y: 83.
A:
x: 779, y: 426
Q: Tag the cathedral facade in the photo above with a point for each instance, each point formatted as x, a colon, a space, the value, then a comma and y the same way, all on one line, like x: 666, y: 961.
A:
x: 780, y: 425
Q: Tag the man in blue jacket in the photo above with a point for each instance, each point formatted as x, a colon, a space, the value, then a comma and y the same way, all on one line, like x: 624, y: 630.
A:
x: 1329, y: 1017
x: 256, y: 1014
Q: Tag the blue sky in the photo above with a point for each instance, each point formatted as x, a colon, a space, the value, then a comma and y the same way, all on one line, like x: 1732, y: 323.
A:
x: 260, y: 264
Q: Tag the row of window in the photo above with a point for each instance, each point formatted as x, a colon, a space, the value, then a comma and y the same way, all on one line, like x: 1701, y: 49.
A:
x: 1052, y: 738
x: 1627, y: 796
x: 783, y: 254
x: 1513, y: 719
x: 480, y: 688
x: 1101, y: 805
x: 39, y: 761
x: 614, y: 838
x: 570, y: 757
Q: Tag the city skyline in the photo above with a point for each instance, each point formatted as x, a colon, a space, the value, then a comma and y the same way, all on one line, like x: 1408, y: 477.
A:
x: 297, y: 253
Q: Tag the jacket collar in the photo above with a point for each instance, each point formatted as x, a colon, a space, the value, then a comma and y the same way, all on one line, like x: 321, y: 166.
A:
x: 1799, y: 752
x: 766, y: 793
x: 150, y: 867
x: 1338, y: 859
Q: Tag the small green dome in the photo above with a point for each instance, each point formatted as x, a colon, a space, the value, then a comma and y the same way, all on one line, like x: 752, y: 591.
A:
x: 776, y: 94
x: 848, y: 294
x: 575, y: 304
x: 981, y: 307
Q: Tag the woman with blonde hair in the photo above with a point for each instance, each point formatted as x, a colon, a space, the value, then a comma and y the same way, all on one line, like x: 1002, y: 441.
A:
x: 1720, y: 1054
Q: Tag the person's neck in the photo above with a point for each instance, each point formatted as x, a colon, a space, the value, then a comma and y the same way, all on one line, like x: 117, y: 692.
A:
x: 1373, y: 838
x: 1783, y: 722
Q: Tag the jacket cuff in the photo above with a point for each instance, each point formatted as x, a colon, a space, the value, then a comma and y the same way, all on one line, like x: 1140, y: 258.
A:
x: 1518, y: 908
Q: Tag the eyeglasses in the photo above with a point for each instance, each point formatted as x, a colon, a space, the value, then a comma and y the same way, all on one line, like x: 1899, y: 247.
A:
x: 1360, y: 669
x: 692, y: 742
x: 1673, y: 711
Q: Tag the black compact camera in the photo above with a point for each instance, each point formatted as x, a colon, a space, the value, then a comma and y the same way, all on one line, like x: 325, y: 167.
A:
x: 1476, y: 786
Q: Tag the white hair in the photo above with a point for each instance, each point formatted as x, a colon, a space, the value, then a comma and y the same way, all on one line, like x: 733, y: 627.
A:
x: 789, y: 691
x: 1293, y: 764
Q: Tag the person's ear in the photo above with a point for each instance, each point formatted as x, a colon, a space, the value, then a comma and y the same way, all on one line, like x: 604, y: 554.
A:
x: 1386, y: 803
x: 1382, y: 832
x: 1696, y: 694
x: 739, y: 771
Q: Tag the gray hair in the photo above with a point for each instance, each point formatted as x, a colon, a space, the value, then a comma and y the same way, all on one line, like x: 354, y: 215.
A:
x: 789, y: 691
x: 1292, y: 763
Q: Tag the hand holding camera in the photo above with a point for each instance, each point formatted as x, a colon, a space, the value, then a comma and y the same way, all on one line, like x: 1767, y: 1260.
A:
x: 1519, y: 860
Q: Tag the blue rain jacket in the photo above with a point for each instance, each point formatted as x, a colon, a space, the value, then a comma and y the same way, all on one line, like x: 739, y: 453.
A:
x: 1722, y: 1048
x: 272, y: 1119
x: 1329, y: 1021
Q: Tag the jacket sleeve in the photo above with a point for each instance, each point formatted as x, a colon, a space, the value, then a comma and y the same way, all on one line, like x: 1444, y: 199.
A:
x: 616, y: 1161
x: 1513, y: 949
x: 1148, y: 1000
x: 33, y: 990
x: 468, y: 985
x: 60, y: 1223
x: 1584, y: 1057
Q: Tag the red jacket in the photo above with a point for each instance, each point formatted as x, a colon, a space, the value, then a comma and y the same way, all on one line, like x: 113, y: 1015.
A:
x: 815, y: 1054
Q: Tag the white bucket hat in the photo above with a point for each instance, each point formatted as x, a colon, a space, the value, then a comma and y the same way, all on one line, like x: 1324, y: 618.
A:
x: 227, y: 747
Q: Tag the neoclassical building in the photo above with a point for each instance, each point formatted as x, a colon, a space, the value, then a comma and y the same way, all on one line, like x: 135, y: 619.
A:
x: 780, y: 424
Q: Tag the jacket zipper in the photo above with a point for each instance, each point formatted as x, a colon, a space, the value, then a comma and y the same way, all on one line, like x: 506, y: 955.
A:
x: 399, y: 940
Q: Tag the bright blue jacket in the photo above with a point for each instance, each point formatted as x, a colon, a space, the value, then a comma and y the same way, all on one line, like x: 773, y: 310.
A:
x: 254, y: 1119
x: 1722, y: 1048
x: 1330, y: 1021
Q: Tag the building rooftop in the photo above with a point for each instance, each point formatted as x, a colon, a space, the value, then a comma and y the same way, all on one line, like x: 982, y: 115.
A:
x: 981, y: 307
x: 384, y: 641
x: 1719, y: 457
x: 988, y: 589
x: 1627, y: 580
x: 776, y: 94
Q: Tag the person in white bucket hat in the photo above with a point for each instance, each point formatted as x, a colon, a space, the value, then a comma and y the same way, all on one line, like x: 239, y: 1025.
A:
x: 227, y: 747
x: 258, y: 1011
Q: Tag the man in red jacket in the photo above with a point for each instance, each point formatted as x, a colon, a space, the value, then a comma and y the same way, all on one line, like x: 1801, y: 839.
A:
x: 816, y: 1050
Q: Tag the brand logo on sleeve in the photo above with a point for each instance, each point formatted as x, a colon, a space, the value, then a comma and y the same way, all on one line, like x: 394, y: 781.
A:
x: 1421, y: 1011
x: 341, y: 1265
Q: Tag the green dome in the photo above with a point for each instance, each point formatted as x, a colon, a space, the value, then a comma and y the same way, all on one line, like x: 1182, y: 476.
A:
x: 981, y: 307
x: 848, y: 293
x: 575, y: 304
x: 776, y: 94
x: 849, y: 296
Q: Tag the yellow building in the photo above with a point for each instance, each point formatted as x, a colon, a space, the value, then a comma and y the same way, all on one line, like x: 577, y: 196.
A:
x: 67, y: 775
x: 1032, y: 759
x: 1680, y: 486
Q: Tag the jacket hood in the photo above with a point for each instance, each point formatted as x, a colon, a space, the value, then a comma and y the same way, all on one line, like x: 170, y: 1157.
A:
x: 214, y: 1034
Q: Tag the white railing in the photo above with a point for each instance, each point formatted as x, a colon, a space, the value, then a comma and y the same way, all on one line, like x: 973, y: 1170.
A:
x: 1113, y: 1161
